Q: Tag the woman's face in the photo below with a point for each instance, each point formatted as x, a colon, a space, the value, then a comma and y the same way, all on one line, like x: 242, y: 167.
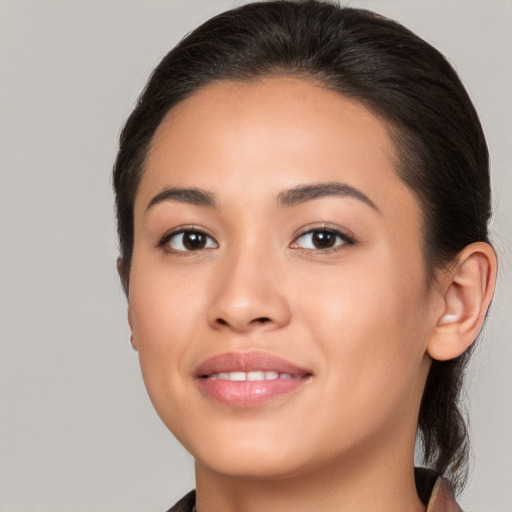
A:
x: 278, y: 299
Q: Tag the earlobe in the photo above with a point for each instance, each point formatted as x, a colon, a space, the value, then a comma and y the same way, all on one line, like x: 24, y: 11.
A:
x: 467, y: 296
x: 121, y: 270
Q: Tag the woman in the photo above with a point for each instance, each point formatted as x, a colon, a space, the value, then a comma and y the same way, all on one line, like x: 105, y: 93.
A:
x: 303, y: 195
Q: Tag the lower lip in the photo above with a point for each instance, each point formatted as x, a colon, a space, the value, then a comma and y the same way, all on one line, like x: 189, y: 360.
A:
x: 249, y: 393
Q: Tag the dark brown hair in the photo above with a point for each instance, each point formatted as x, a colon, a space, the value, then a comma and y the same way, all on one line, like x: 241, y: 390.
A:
x: 442, y: 153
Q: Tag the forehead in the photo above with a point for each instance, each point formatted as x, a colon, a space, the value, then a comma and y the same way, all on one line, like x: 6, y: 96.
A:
x: 248, y: 113
x: 270, y: 135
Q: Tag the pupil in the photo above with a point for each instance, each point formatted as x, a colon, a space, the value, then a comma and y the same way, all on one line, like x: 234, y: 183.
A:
x: 323, y: 239
x: 194, y: 241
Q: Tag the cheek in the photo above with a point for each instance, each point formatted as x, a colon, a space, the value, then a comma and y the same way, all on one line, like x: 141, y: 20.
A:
x: 162, y: 304
x: 161, y: 329
x: 372, y: 320
x: 163, y: 317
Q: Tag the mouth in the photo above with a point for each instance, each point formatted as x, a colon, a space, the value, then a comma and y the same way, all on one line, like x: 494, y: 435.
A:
x: 250, y: 376
x: 249, y: 379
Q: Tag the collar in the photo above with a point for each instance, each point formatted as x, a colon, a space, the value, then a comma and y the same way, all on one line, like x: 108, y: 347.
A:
x: 434, y: 491
x: 442, y: 498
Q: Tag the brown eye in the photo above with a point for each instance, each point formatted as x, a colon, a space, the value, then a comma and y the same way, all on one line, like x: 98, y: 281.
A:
x: 194, y: 241
x: 322, y: 239
x: 187, y: 241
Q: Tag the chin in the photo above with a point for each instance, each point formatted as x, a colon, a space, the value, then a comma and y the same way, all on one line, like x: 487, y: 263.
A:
x: 261, y: 457
x: 261, y: 467
x: 245, y: 454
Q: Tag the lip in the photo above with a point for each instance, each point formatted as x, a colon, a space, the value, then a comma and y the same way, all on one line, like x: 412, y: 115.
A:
x: 249, y: 393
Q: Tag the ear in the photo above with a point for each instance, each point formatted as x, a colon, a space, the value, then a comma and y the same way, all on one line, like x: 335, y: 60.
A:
x: 133, y: 343
x: 468, y: 290
x: 121, y: 270
x: 123, y: 274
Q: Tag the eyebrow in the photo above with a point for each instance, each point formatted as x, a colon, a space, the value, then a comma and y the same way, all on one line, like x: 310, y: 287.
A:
x: 193, y: 196
x: 304, y: 193
x: 294, y: 196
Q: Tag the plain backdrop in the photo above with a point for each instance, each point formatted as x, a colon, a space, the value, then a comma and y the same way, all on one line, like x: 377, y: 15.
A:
x: 77, y: 431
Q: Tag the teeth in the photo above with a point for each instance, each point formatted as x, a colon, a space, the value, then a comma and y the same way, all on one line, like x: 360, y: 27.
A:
x: 250, y: 376
x: 255, y: 375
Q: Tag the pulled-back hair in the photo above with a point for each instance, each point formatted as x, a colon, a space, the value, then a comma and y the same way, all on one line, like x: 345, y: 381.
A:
x: 442, y: 153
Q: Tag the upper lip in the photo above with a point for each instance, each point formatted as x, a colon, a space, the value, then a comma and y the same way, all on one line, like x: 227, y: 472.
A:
x: 247, y: 362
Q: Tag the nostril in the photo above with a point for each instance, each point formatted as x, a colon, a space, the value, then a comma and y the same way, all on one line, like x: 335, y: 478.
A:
x: 262, y: 320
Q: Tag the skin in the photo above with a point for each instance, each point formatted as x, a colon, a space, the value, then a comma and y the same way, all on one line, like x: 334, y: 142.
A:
x: 359, y: 316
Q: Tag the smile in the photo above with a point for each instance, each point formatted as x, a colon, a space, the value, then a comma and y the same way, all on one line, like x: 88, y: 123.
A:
x: 249, y: 379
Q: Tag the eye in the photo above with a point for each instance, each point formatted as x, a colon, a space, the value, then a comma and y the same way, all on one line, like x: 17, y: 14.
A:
x: 322, y: 240
x: 188, y: 240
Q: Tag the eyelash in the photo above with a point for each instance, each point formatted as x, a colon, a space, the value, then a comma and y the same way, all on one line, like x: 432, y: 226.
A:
x: 342, y: 239
x: 168, y: 237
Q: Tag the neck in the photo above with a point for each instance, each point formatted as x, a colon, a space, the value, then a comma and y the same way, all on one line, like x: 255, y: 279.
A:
x: 383, y: 483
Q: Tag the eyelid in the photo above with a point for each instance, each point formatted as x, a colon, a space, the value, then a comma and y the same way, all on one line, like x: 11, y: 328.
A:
x: 346, y: 235
x: 325, y: 226
x: 183, y: 229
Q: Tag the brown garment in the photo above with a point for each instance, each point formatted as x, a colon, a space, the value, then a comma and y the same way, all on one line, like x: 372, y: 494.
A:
x: 435, y: 491
x: 440, y: 497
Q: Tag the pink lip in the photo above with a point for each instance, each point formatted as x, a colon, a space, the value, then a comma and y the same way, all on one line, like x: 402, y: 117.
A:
x: 248, y: 393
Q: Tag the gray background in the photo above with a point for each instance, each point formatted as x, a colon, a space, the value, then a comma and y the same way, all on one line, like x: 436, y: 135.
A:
x: 77, y: 432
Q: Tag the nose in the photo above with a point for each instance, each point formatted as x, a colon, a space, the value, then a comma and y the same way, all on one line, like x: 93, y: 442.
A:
x: 249, y: 295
